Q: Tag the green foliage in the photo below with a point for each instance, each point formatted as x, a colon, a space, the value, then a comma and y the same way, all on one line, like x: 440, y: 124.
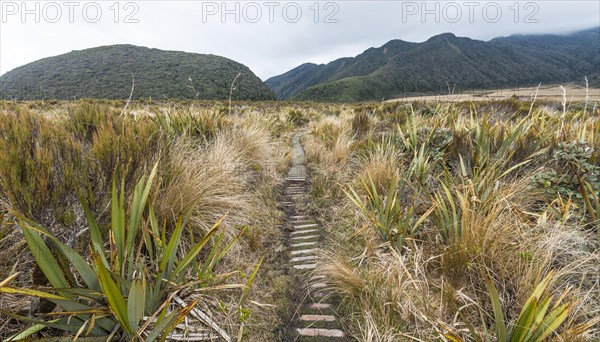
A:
x: 420, y: 165
x: 537, y: 319
x: 46, y: 164
x: 360, y: 124
x: 324, y: 189
x: 39, y: 165
x: 121, y: 149
x: 444, y: 64
x: 592, y: 204
x: 470, y: 163
x: 572, y: 173
x: 136, y: 278
x: 84, y: 119
x: 574, y: 160
x: 393, y: 114
x: 447, y: 215
x: 296, y: 117
x: 202, y: 125
x: 427, y: 146
x: 490, y: 154
x: 393, y: 221
x: 106, y: 72
x: 327, y: 133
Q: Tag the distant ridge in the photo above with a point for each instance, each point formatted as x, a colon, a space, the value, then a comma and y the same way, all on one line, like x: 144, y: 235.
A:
x: 400, y: 68
x: 106, y: 72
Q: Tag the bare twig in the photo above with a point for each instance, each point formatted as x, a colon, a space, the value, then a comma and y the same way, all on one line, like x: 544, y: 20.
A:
x: 130, y: 95
x: 587, y: 94
x: 450, y: 90
x: 241, y: 333
x: 564, y: 108
x: 534, y: 97
x: 204, y: 318
x: 232, y: 89
x: 193, y: 88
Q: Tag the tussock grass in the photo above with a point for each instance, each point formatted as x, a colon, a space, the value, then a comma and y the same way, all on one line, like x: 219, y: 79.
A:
x: 205, y: 183
x: 193, y: 122
x: 215, y: 179
x: 209, y: 164
x: 254, y: 146
x: 381, y: 162
x: 499, y: 186
x: 383, y: 170
x: 385, y: 294
x: 502, y: 209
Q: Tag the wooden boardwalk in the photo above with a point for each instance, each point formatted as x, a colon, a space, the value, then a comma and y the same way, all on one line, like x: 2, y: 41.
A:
x: 315, y: 318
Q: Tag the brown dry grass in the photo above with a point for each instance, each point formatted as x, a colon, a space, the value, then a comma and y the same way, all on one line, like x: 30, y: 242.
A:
x: 551, y: 93
x: 438, y: 281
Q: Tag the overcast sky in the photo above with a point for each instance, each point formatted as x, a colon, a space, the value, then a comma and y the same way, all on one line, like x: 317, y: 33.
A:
x: 270, y: 37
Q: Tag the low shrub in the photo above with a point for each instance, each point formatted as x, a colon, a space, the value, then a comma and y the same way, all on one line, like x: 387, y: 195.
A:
x: 40, y: 167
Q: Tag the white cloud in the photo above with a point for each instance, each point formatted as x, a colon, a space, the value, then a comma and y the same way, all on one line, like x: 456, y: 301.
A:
x: 270, y: 48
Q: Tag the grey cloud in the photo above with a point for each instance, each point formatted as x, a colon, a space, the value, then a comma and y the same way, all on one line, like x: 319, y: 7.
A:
x: 272, y: 48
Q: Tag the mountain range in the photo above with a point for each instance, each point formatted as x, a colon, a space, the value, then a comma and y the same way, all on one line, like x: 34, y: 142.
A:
x: 442, y: 64
x: 110, y: 71
x: 445, y: 62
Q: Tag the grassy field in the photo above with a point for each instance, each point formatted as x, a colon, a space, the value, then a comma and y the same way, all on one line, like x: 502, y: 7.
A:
x: 461, y: 221
x: 573, y: 93
x: 67, y: 167
x: 452, y: 221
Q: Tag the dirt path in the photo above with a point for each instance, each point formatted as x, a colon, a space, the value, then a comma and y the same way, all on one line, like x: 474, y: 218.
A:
x: 314, y: 318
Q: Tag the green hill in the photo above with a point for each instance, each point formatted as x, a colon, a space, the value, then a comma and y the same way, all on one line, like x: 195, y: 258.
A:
x: 106, y: 72
x: 401, y: 68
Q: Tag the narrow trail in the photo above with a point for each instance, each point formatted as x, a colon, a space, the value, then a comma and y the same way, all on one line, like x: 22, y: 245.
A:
x: 315, y: 318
